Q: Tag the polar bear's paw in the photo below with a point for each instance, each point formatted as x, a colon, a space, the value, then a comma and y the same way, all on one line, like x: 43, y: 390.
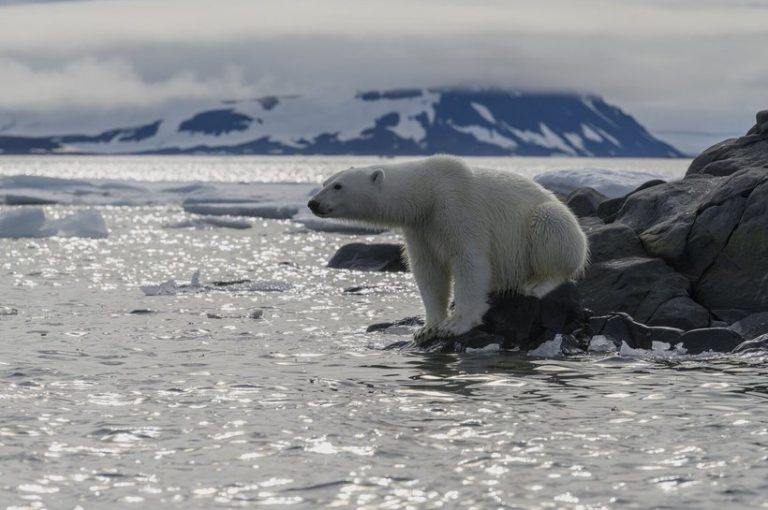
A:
x: 425, y: 334
x: 456, y: 325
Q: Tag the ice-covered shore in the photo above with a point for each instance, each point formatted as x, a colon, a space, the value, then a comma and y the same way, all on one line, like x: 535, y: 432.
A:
x: 284, y: 201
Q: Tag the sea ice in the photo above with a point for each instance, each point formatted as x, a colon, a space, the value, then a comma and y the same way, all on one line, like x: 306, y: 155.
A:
x: 201, y: 222
x: 549, y: 349
x: 31, y: 222
x: 612, y: 183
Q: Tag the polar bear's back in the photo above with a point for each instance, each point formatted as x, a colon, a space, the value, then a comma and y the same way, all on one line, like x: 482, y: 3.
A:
x: 493, y: 210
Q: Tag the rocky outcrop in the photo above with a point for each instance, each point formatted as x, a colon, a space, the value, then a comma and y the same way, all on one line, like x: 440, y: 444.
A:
x: 369, y: 257
x: 735, y: 154
x: 683, y: 263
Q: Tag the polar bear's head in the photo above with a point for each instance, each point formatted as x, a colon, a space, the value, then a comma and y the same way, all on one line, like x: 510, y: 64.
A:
x: 350, y: 194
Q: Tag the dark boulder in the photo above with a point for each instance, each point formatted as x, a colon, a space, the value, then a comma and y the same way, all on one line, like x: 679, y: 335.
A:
x: 757, y: 345
x: 611, y: 241
x: 621, y: 328
x: 681, y: 312
x: 734, y: 154
x: 637, y: 286
x: 519, y: 322
x: 752, y: 326
x: 608, y: 209
x: 584, y: 201
x: 369, y: 257
x: 710, y: 339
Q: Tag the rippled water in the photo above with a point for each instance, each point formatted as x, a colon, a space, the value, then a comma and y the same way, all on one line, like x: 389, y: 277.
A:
x: 189, y: 402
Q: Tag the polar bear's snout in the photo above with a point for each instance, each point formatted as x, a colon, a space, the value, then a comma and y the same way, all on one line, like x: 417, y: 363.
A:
x: 318, y: 208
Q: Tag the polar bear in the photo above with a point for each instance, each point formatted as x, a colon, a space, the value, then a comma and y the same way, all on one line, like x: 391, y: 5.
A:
x: 478, y: 230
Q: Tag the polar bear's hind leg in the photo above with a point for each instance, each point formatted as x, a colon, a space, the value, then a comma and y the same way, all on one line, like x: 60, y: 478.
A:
x: 558, y: 249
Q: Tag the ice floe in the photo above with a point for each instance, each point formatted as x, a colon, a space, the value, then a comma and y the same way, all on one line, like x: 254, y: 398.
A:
x: 32, y: 222
x: 612, y: 183
x: 171, y: 287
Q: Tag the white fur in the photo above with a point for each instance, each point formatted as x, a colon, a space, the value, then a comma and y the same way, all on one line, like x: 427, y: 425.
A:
x: 482, y: 230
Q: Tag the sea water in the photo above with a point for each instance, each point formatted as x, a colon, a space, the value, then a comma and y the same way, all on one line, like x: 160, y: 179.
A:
x: 269, y: 393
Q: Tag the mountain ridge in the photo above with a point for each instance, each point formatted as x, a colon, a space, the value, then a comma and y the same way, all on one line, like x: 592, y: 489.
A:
x: 393, y: 122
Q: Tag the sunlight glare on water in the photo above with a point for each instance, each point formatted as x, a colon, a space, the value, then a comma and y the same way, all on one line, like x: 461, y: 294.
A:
x: 116, y: 399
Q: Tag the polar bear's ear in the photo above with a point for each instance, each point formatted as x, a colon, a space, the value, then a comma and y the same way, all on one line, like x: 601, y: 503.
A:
x: 377, y: 177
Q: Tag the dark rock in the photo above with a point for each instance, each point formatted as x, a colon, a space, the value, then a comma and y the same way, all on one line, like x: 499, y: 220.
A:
x: 141, y: 311
x: 408, y: 321
x: 584, y: 201
x: 735, y: 154
x: 728, y: 316
x: 514, y: 322
x: 612, y: 241
x: 525, y: 321
x: 752, y: 326
x: 757, y: 345
x: 710, y: 339
x: 369, y: 257
x: 637, y: 286
x: 735, y: 279
x: 681, y: 312
x: 608, y: 209
x: 653, y: 205
x: 621, y: 328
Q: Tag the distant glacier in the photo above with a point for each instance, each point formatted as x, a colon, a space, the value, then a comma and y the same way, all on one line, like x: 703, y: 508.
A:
x: 462, y: 121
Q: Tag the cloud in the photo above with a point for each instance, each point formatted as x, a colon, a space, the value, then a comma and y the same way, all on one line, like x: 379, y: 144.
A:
x: 106, y: 84
x: 676, y: 64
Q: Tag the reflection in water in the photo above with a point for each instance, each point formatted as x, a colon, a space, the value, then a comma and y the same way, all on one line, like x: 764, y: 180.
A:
x: 196, y: 404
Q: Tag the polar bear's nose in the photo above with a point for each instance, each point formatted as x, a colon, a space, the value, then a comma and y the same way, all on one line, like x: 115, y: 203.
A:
x: 313, y: 205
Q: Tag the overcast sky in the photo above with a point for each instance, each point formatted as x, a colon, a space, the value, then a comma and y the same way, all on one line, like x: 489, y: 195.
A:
x: 688, y: 65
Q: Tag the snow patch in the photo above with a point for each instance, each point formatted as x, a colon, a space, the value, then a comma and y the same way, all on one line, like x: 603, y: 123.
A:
x: 484, y: 112
x: 487, y: 135
x: 591, y: 134
x: 612, y: 183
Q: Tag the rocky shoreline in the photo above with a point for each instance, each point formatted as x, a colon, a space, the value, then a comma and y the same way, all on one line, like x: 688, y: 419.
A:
x: 683, y: 264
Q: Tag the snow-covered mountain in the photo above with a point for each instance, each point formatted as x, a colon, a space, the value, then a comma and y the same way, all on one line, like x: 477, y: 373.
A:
x: 462, y: 121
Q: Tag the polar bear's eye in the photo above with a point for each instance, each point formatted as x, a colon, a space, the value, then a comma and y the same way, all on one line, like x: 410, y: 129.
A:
x: 337, y: 186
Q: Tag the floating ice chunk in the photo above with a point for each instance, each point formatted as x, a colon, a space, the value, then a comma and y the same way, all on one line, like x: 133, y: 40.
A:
x: 549, y: 349
x: 269, y: 210
x: 660, y: 346
x: 171, y: 287
x: 601, y: 343
x: 31, y: 222
x: 487, y: 348
x: 612, y: 183
x: 24, y: 222
x: 167, y: 288
x: 311, y: 222
x: 88, y: 223
x: 7, y: 310
x: 209, y: 222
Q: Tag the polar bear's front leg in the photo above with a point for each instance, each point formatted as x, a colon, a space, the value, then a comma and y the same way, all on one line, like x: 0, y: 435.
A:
x: 434, y: 282
x: 472, y: 275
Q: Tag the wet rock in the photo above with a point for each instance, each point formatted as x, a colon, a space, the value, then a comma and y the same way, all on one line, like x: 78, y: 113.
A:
x: 752, y: 326
x: 513, y: 321
x: 621, y: 328
x: 710, y: 339
x: 142, y: 311
x: 735, y: 277
x: 637, y: 286
x: 732, y: 155
x: 369, y: 257
x: 757, y: 345
x: 413, y: 322
x: 681, y: 312
x: 655, y: 204
x: 609, y: 209
x: 584, y: 201
x: 612, y: 241
x: 525, y: 321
